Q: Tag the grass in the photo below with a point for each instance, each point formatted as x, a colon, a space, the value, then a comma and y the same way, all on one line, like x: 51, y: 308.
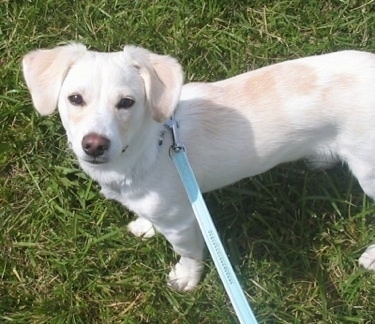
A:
x: 293, y: 235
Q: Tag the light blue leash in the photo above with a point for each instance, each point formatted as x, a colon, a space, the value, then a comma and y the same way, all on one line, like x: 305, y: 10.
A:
x: 214, y: 245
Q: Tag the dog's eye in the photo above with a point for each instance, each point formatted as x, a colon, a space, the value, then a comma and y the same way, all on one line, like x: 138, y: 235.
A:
x: 76, y: 100
x: 125, y: 103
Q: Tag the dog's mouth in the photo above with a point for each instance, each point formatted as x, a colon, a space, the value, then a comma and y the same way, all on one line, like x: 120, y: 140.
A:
x: 95, y: 161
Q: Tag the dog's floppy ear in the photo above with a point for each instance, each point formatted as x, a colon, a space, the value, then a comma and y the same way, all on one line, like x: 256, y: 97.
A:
x: 44, y: 72
x: 163, y: 78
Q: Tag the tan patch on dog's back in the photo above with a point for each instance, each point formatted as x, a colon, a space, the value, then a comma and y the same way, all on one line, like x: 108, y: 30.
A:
x: 335, y: 86
x: 295, y: 79
x: 267, y: 86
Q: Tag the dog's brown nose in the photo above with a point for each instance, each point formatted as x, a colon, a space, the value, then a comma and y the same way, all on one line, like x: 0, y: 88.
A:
x: 95, y: 145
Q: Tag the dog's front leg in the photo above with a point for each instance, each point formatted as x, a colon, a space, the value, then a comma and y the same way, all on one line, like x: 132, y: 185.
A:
x: 187, y: 240
x: 172, y: 216
x: 185, y: 274
x: 141, y: 227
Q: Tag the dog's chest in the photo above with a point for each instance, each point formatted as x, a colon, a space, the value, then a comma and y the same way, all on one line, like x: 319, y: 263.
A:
x: 138, y: 200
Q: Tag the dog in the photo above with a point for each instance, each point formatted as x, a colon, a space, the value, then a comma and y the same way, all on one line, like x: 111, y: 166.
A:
x: 113, y: 107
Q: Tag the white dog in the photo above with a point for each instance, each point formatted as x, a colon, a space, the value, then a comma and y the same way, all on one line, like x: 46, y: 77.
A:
x: 113, y: 107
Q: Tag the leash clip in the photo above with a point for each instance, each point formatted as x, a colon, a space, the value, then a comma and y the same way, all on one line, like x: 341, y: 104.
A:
x: 172, y: 124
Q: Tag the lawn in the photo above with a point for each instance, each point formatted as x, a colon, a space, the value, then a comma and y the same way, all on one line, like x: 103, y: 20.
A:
x: 294, y: 235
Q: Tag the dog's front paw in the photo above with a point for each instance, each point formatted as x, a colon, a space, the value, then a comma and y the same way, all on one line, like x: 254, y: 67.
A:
x: 141, y: 227
x: 367, y: 259
x: 186, y: 274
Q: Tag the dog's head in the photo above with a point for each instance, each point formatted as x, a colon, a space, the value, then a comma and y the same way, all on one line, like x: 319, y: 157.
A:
x: 104, y: 99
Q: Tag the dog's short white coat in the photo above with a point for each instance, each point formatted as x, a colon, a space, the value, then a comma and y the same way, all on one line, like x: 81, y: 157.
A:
x: 321, y: 108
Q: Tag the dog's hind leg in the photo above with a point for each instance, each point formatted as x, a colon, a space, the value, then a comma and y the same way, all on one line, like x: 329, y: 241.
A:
x: 367, y: 259
x: 365, y: 173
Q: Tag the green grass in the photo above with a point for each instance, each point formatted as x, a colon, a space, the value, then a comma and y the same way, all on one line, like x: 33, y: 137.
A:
x: 293, y: 235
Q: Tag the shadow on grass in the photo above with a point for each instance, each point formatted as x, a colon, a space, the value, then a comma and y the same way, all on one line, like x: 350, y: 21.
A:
x: 304, y: 231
